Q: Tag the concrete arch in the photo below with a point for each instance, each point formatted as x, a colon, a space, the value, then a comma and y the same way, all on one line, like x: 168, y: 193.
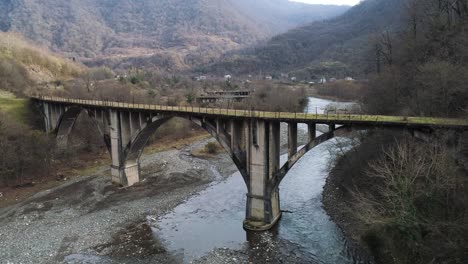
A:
x: 282, y: 172
x: 66, y: 122
x: 134, y: 149
x: 342, y: 131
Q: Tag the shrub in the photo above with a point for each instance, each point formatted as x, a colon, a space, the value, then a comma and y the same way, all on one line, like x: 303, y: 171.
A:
x: 26, y: 154
x: 410, y: 196
x: 211, y: 148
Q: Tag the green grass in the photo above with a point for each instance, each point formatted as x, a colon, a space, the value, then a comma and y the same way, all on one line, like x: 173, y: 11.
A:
x: 15, y: 107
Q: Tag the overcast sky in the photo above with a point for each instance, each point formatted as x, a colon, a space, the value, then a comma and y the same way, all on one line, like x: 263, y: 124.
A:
x: 330, y: 2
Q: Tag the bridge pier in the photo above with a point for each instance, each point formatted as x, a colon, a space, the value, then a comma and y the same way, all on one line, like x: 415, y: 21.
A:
x: 123, y: 127
x: 311, y: 131
x: 292, y: 139
x: 263, y: 204
x: 46, y: 112
x: 118, y: 175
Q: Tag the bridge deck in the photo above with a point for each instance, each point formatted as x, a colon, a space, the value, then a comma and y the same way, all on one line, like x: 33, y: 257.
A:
x: 337, y: 118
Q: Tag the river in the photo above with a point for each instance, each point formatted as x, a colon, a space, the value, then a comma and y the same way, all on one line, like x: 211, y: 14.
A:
x: 213, y: 218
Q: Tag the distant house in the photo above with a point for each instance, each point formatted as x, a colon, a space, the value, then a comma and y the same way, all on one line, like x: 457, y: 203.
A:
x: 333, y: 79
x: 294, y: 79
x: 200, y: 78
x: 227, y: 77
x: 268, y: 77
x: 323, y: 80
x: 350, y: 79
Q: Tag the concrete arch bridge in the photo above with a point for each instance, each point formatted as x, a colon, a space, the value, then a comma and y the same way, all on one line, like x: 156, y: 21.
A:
x: 252, y: 139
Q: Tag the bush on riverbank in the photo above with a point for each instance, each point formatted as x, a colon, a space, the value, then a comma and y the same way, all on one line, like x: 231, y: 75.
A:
x: 26, y: 154
x: 211, y: 148
x: 407, y: 204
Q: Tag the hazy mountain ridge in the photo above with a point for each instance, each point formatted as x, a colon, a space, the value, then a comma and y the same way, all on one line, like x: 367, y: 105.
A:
x: 344, y: 39
x: 184, y: 32
x: 282, y: 15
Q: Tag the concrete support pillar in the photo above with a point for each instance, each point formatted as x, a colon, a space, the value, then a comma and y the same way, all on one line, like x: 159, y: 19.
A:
x: 143, y: 119
x: 100, y: 116
x: 246, y: 131
x: 219, y: 126
x: 274, y: 148
x: 53, y: 116
x: 134, y: 123
x: 273, y: 167
x: 60, y: 110
x: 125, y: 129
x: 237, y: 135
x: 262, y: 203
x: 66, y: 125
x: 312, y: 131
x: 47, y: 117
x: 331, y: 127
x: 116, y: 148
x: 124, y: 172
x: 292, y: 139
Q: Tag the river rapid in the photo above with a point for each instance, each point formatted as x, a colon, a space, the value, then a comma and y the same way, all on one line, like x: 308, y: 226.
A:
x: 212, y: 220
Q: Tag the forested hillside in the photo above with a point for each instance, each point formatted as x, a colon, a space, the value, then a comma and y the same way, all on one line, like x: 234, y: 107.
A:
x: 166, y: 33
x: 344, y: 39
x: 405, y: 199
x: 422, y: 69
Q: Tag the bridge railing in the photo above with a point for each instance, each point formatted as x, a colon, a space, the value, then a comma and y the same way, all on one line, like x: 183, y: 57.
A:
x: 320, y: 113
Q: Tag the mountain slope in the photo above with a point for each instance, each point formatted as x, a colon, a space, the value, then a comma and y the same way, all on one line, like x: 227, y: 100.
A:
x: 178, y: 31
x: 23, y: 66
x: 343, y: 39
x: 281, y: 15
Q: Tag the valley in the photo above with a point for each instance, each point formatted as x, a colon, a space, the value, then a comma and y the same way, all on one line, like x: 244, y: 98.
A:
x: 233, y: 131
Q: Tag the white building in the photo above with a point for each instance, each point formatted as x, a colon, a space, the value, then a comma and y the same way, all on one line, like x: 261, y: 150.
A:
x: 349, y: 79
x: 268, y: 77
x: 227, y: 77
x: 323, y: 80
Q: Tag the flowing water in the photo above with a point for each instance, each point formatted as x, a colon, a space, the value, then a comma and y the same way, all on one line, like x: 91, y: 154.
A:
x: 213, y: 218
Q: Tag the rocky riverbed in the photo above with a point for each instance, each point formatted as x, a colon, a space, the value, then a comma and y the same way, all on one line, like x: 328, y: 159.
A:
x: 89, y: 220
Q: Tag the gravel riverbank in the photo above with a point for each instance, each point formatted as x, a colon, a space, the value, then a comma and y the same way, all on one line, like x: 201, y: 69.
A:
x: 88, y: 220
